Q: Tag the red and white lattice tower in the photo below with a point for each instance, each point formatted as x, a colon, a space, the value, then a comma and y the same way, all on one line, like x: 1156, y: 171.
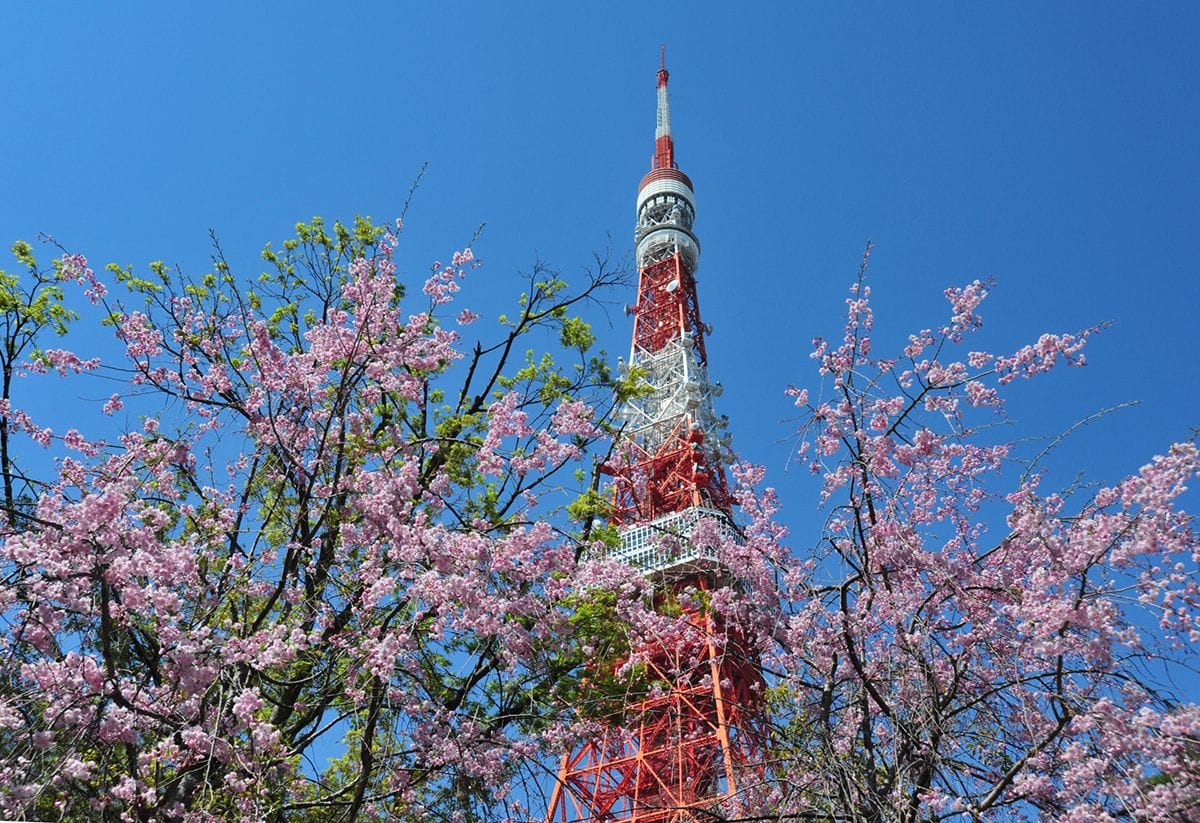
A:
x: 687, y: 748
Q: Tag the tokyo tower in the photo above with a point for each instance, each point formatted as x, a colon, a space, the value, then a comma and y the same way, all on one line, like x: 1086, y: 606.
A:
x: 689, y: 746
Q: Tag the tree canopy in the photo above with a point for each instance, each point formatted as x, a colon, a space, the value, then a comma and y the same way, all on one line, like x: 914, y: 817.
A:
x: 350, y: 564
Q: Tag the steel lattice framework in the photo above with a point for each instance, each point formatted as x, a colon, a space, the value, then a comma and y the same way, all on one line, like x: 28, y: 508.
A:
x: 680, y: 750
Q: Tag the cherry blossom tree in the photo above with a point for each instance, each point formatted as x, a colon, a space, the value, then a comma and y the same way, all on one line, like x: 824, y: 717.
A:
x: 321, y: 577
x: 965, y: 643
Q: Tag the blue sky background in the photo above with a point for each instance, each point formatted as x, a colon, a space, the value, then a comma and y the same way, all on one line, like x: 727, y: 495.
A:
x: 1053, y: 146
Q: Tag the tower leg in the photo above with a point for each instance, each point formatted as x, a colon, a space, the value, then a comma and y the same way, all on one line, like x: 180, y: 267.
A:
x: 678, y: 755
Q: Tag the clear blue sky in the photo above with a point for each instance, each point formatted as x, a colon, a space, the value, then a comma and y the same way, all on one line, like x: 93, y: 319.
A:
x: 1053, y: 146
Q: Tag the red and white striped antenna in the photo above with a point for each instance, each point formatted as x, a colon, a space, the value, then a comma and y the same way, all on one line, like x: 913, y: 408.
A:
x: 664, y: 146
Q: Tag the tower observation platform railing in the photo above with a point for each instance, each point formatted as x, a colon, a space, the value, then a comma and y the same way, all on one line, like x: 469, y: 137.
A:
x: 667, y: 545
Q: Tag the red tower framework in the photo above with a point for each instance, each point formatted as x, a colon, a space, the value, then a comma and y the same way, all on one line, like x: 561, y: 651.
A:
x: 686, y: 748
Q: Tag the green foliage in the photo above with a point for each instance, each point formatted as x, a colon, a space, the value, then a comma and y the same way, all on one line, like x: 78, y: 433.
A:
x: 141, y: 285
x: 599, y: 685
x: 544, y: 373
x: 576, y: 333
x: 314, y: 258
x: 633, y: 384
x: 461, y: 435
x: 606, y: 533
x: 31, y: 305
x: 591, y: 504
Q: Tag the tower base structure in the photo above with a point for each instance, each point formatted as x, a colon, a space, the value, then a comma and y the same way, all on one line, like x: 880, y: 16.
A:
x: 689, y: 745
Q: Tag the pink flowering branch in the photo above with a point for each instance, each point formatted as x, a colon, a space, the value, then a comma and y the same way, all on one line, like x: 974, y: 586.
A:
x: 944, y: 672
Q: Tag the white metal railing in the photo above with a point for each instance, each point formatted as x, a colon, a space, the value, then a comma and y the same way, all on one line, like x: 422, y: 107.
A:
x: 666, y: 543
